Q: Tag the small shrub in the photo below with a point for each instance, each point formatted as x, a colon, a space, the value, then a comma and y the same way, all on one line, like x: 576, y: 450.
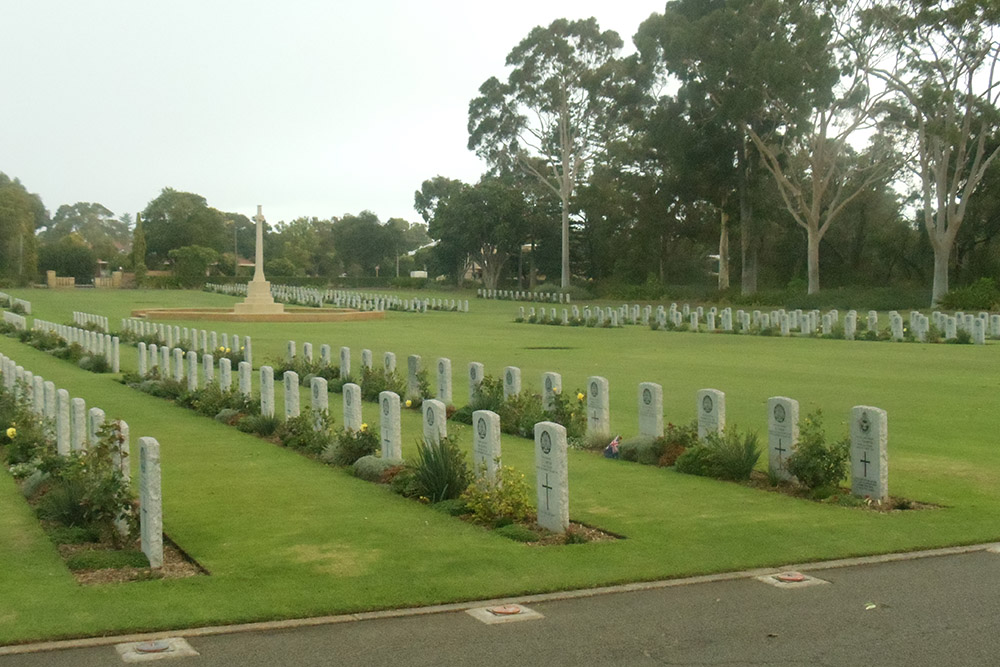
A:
x: 259, y: 424
x: 517, y: 532
x: 101, y: 559
x: 375, y: 381
x: 350, y: 446
x: 729, y: 455
x: 594, y: 442
x: 301, y: 433
x: 980, y: 295
x: 74, y: 534
x: 575, y: 536
x: 503, y: 499
x: 440, y: 471
x: 814, y: 463
x: 452, y: 507
x: 228, y: 416
x: 962, y: 337
x: 95, y: 364
x: 373, y: 468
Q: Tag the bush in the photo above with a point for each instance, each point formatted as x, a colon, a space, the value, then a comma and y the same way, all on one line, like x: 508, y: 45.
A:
x: 101, y: 559
x: 642, y: 449
x: 74, y: 535
x: 980, y: 295
x: 814, y: 463
x: 212, y: 399
x: 517, y: 532
x: 374, y: 469
x: 502, y: 500
x: 375, y: 381
x: 729, y: 455
x: 301, y: 433
x: 453, y: 507
x: 440, y: 471
x: 259, y: 424
x: 349, y: 446
x: 95, y: 364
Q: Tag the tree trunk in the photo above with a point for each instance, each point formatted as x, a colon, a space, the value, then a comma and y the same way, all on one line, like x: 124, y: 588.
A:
x: 724, y: 253
x: 748, y: 254
x: 812, y: 243
x: 565, y: 240
x: 748, y: 249
x: 942, y: 257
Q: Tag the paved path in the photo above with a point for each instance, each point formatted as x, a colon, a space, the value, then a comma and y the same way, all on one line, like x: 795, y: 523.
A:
x: 942, y: 610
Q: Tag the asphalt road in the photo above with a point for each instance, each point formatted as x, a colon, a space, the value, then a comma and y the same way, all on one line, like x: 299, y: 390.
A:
x: 940, y: 611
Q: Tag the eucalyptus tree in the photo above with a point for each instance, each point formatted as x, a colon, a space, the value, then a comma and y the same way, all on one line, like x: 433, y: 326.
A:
x: 730, y: 59
x: 940, y: 61
x: 552, y: 114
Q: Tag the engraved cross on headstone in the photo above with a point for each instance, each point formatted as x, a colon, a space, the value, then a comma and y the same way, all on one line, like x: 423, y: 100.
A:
x: 548, y: 488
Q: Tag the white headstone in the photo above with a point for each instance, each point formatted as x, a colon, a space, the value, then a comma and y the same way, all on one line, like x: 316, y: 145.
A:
x: 63, y: 429
x: 598, y: 414
x: 476, y: 371
x: 142, y: 359
x: 78, y: 425
x: 444, y: 380
x: 245, y: 378
x: 345, y: 363
x: 552, y: 476
x: 435, y: 421
x: 266, y: 391
x: 782, y: 434
x: 150, y: 502
x: 352, y: 407
x: 95, y: 421
x: 392, y: 442
x: 486, y: 444
x: 869, y: 453
x: 389, y: 362
x: 551, y: 387
x: 225, y: 374
x: 711, y: 407
x: 412, y: 376
x: 291, y: 379
x: 650, y: 410
x: 511, y: 381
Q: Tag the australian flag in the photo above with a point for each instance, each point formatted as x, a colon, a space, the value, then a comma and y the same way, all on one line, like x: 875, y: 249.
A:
x: 611, y: 451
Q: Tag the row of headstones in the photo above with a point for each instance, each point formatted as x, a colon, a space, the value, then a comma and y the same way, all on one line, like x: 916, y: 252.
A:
x: 519, y: 295
x: 93, y: 342
x: 17, y: 321
x: 178, y: 364
x: 198, y: 340
x: 806, y: 322
x: 10, y: 301
x: 77, y: 429
x: 83, y: 319
x: 379, y: 302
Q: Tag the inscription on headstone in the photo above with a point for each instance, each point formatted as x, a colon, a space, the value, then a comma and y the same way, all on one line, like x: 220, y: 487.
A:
x: 711, y: 407
x: 551, y: 476
x: 782, y: 434
x: 869, y: 453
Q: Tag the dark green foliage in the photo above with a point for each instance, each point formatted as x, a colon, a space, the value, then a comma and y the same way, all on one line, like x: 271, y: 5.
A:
x: 100, y: 559
x: 95, y: 364
x: 519, y: 413
x: 374, y: 469
x: 74, y: 534
x: 440, y: 471
x: 645, y: 450
x: 574, y: 536
x: 962, y: 337
x: 815, y: 463
x: 730, y: 455
x: 352, y: 445
x: 980, y: 295
x: 211, y: 399
x: 451, y: 507
x: 261, y: 425
x: 30, y: 441
x: 301, y: 433
x: 228, y: 416
x: 517, y: 532
x: 376, y: 380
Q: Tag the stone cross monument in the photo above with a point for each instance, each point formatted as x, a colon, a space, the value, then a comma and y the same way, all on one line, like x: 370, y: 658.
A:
x: 259, y: 299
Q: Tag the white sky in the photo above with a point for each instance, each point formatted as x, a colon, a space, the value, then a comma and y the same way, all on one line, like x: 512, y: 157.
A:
x: 311, y: 108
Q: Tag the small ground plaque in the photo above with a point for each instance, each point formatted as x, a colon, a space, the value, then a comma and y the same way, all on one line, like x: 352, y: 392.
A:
x: 160, y: 649
x: 505, y: 613
x: 791, y: 580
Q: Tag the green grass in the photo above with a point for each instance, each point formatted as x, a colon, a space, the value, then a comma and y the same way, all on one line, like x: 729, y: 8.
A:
x: 284, y: 536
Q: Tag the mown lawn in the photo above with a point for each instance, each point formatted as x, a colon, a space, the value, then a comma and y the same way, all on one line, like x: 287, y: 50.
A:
x: 284, y: 536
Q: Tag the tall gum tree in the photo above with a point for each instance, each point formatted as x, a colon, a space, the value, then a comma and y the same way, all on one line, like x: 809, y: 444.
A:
x: 551, y: 116
x: 940, y: 61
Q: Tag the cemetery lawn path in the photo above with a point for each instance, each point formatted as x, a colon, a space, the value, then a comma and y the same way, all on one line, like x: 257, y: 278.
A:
x: 284, y: 536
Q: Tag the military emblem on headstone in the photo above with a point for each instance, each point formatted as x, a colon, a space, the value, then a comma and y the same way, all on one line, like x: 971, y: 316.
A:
x: 864, y: 423
x: 481, y: 427
x: 546, y: 442
x: 779, y: 413
x: 593, y: 389
x: 430, y: 416
x: 385, y: 406
x: 647, y: 396
x: 707, y: 404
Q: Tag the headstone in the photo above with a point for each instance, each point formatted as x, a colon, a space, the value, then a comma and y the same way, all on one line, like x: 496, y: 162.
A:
x: 291, y: 379
x: 598, y: 415
x: 78, y: 425
x: 247, y: 351
x: 352, y: 407
x: 95, y: 421
x: 511, y: 381
x: 307, y: 352
x: 225, y: 374
x: 266, y: 391
x: 650, y: 410
x: 366, y: 360
x: 486, y: 445
x: 782, y: 434
x: 345, y: 363
x: 192, y: 371
x: 178, y: 365
x: 320, y: 400
x: 711, y: 407
x: 869, y: 453
x: 325, y: 355
x: 290, y: 351
x: 389, y: 362
x: 142, y: 359
x: 115, y: 355
x: 150, y: 502
x: 63, y: 428
x: 551, y: 386
x: 476, y: 371
x: 435, y: 422
x: 50, y: 401
x: 245, y: 378
x: 444, y: 380
x: 552, y: 476
x: 412, y: 376
x: 392, y: 442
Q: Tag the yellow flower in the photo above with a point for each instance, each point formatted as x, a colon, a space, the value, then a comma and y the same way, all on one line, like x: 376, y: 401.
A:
x: 364, y: 427
x: 222, y: 349
x: 228, y: 350
x: 11, y: 432
x: 579, y: 396
x: 409, y: 402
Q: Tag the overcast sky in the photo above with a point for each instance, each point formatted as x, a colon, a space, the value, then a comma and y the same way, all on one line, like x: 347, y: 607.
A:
x: 310, y: 108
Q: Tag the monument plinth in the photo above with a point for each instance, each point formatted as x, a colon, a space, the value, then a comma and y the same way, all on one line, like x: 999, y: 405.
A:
x: 259, y: 300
